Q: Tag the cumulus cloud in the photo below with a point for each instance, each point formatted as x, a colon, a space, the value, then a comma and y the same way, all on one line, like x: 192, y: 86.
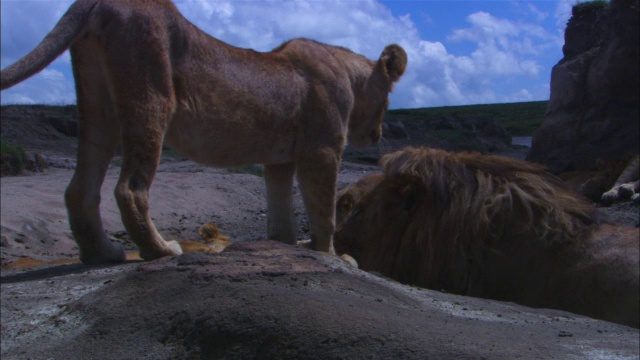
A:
x: 562, y: 13
x: 501, y: 51
x: 47, y: 87
x: 24, y: 24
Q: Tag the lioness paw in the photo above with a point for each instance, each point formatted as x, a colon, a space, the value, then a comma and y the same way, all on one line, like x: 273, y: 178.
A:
x: 174, y: 247
x: 350, y: 260
x: 169, y: 248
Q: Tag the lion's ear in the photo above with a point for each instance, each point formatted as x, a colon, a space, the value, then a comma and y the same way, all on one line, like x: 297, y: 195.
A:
x: 394, y: 61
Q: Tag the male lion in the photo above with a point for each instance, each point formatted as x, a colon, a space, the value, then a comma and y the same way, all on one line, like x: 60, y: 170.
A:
x: 144, y: 75
x: 491, y: 227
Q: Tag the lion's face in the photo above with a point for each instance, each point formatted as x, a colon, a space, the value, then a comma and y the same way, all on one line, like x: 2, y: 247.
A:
x: 369, y: 210
x: 349, y: 196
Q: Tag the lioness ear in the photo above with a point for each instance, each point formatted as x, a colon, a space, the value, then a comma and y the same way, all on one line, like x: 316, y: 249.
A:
x: 394, y: 61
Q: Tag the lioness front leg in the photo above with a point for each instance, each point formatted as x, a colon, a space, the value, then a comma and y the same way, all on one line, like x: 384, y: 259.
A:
x: 317, y: 179
x: 141, y: 148
x: 281, y: 224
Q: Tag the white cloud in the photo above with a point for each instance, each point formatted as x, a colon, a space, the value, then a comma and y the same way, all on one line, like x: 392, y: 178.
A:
x: 50, y: 86
x: 501, y: 49
x: 540, y: 15
x: 23, y: 26
x: 563, y: 13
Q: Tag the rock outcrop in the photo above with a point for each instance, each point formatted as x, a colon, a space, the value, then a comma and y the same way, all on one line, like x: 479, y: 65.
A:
x: 268, y: 300
x: 593, y: 109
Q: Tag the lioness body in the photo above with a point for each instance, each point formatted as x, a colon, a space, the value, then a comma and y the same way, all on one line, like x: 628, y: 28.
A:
x: 145, y: 75
x: 490, y: 227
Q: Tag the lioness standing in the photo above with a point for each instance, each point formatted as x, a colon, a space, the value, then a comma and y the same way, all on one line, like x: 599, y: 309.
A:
x: 144, y: 75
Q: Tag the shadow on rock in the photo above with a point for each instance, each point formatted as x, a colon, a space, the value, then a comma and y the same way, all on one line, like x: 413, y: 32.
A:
x: 269, y: 300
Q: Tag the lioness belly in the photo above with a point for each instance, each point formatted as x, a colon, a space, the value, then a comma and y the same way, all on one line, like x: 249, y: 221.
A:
x: 220, y: 143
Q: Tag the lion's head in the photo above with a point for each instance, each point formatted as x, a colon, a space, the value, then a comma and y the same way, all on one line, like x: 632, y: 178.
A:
x: 438, y: 213
x: 492, y: 227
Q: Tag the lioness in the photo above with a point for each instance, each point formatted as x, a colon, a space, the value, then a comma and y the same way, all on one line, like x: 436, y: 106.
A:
x: 144, y: 75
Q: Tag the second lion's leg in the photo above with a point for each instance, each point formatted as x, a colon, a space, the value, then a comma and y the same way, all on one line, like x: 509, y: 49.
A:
x: 317, y: 177
x: 281, y: 224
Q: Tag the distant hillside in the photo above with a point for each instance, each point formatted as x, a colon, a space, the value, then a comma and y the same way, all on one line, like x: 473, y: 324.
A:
x: 519, y: 119
x: 52, y: 129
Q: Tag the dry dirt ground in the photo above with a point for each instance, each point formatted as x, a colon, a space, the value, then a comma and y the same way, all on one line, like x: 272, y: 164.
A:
x: 184, y: 196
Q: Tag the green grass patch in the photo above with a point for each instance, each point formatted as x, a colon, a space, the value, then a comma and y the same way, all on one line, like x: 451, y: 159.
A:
x: 519, y: 119
x: 591, y: 4
x: 11, y: 159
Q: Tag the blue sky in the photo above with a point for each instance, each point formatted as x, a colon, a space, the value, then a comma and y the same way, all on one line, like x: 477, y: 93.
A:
x: 460, y: 52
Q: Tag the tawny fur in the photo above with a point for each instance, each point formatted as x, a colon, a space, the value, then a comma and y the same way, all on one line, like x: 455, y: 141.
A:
x: 145, y: 75
x: 491, y: 227
x: 214, y: 240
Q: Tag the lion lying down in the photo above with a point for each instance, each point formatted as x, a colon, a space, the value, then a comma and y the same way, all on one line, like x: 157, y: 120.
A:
x: 490, y: 227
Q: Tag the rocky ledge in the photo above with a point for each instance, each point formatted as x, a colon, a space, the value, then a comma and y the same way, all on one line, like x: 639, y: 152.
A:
x: 268, y: 300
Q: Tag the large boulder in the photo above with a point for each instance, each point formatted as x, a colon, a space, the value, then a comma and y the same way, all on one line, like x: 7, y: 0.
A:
x: 595, y: 90
x: 268, y: 300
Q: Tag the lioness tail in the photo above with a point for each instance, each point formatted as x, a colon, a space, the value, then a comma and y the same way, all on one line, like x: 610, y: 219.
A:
x: 53, y: 45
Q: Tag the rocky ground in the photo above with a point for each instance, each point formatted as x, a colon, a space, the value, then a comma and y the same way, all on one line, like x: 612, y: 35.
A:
x: 259, y: 300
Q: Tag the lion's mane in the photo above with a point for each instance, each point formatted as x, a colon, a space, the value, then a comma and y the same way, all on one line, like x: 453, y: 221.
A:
x: 446, y: 212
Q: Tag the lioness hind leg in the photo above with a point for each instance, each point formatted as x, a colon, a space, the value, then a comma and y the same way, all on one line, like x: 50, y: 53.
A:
x: 317, y: 179
x: 97, y: 140
x: 82, y: 198
x: 281, y: 223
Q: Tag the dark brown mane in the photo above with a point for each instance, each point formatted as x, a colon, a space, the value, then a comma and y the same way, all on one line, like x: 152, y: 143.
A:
x: 490, y: 227
x: 450, y: 210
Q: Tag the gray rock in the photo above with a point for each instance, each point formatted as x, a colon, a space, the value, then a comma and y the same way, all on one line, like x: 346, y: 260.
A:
x: 268, y: 300
x: 594, y: 104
